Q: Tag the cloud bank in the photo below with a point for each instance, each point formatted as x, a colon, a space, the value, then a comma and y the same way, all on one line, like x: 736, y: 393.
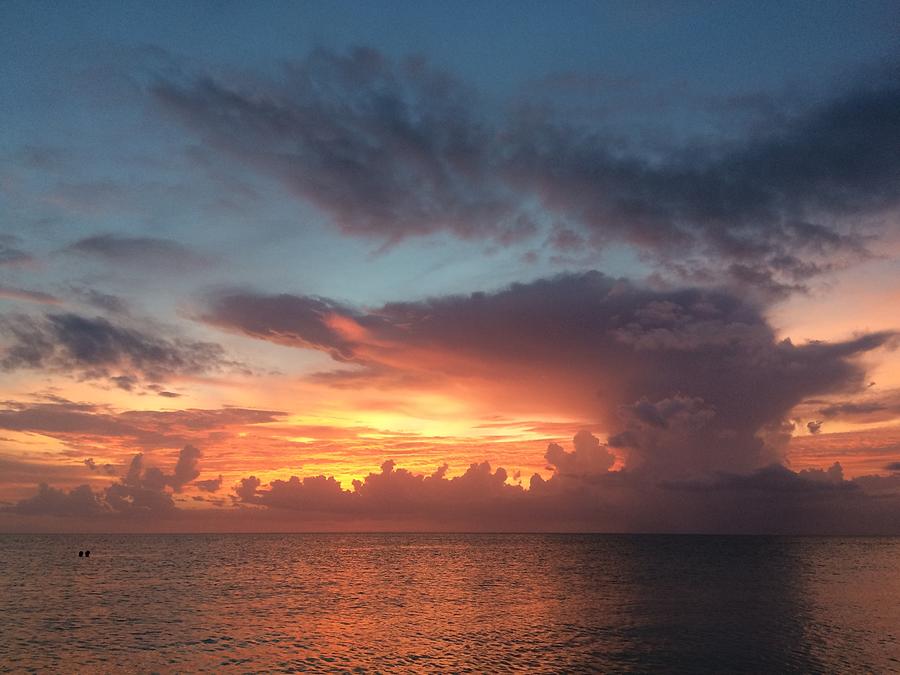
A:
x: 581, y: 494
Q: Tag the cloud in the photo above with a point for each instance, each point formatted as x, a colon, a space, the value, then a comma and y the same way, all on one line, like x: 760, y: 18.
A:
x: 396, y: 149
x: 10, y: 255
x: 13, y: 293
x: 186, y: 469
x: 771, y: 499
x: 246, y: 489
x: 834, y: 475
x: 583, y: 493
x: 86, y: 424
x: 80, y: 501
x: 210, y: 485
x: 108, y: 469
x: 589, y: 458
x: 684, y: 381
x: 142, y: 491
x: 388, y: 150
x: 147, y: 252
x: 100, y: 300
x: 96, y: 348
x: 304, y: 320
x: 879, y: 407
x: 392, y: 492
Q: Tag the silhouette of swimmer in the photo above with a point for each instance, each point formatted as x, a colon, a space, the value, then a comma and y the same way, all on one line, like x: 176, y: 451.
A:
x: 80, y: 554
x: 87, y: 554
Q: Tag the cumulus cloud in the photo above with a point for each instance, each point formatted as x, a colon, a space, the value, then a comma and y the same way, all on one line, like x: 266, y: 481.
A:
x: 186, y: 469
x: 50, y: 501
x: 684, y: 381
x: 589, y: 458
x: 398, y: 149
x: 142, y: 491
x: 391, y: 492
x: 97, y: 348
x: 583, y: 493
x: 770, y: 499
x: 833, y: 475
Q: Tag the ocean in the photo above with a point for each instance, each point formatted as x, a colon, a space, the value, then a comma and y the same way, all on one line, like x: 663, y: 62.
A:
x: 449, y: 603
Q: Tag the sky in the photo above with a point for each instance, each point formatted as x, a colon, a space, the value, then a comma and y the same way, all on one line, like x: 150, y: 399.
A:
x: 622, y: 266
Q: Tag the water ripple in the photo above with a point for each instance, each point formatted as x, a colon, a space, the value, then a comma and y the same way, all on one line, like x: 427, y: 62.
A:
x: 458, y: 603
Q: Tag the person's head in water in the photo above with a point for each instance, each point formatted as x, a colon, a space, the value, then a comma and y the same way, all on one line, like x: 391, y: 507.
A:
x: 80, y: 554
x: 87, y: 554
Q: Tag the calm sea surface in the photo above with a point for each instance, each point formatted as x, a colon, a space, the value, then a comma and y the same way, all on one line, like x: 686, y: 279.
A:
x: 374, y: 602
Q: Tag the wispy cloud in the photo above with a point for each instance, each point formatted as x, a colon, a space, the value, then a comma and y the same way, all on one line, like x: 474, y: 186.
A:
x: 150, y: 252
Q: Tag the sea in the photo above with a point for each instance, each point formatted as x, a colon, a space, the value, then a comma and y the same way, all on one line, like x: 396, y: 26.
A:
x: 478, y: 603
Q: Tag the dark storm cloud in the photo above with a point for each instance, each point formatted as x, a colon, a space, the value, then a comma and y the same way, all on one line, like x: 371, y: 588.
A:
x: 771, y: 479
x: 142, y: 251
x: 96, y: 348
x: 399, y: 149
x: 688, y: 380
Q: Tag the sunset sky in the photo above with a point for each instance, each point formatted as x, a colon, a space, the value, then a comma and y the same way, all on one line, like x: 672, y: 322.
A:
x: 624, y: 266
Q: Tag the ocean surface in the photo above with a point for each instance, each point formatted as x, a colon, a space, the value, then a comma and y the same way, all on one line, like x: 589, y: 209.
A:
x: 476, y: 603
